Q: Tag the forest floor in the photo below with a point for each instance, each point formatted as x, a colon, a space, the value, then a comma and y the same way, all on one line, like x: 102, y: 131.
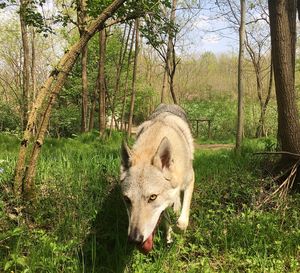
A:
x: 213, y: 147
x: 78, y: 222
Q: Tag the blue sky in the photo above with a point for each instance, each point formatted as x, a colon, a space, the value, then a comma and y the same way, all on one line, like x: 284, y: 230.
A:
x: 209, y: 32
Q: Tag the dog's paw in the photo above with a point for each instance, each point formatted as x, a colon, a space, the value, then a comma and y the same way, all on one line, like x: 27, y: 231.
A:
x: 182, y: 224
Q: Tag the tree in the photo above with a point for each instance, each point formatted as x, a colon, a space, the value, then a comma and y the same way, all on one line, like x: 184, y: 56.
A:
x: 170, y: 58
x: 24, y: 177
x: 101, y: 82
x: 127, y: 77
x: 24, y: 4
x: 258, y: 47
x: 82, y: 22
x: 162, y: 29
x: 283, y: 41
x: 240, y: 122
x: 134, y: 74
x: 119, y: 67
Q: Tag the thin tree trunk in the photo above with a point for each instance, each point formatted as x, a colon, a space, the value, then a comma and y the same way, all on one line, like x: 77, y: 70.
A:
x: 240, y: 121
x: 172, y: 75
x: 118, y: 77
x: 93, y: 106
x: 165, y: 85
x: 33, y: 65
x: 82, y: 22
x: 133, y: 91
x: 59, y: 74
x: 26, y: 60
x: 283, y: 38
x: 127, y: 78
x: 33, y: 71
x: 261, y: 129
x: 101, y: 79
x: 170, y: 63
x: 84, y: 106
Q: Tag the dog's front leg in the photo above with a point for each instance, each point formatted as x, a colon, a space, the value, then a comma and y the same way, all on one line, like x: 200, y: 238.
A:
x: 183, y: 219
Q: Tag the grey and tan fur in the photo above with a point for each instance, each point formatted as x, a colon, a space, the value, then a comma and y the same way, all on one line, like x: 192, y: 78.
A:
x: 156, y: 171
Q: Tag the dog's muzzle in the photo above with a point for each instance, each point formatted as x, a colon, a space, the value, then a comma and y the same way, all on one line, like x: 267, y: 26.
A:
x: 135, y: 236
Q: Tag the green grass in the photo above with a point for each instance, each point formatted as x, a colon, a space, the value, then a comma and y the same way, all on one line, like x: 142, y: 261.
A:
x: 79, y: 224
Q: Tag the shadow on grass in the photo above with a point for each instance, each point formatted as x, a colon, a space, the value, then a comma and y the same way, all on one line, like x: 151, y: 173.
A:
x: 106, y: 249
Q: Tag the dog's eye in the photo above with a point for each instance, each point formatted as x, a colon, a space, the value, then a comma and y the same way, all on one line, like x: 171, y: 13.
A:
x: 152, y: 197
x: 127, y: 200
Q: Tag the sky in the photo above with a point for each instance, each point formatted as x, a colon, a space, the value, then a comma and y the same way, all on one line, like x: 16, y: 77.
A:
x: 209, y: 32
x: 202, y: 40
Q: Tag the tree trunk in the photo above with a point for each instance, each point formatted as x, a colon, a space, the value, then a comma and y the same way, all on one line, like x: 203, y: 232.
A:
x: 283, y: 40
x: 133, y: 91
x: 126, y: 79
x: 84, y: 78
x: 124, y: 44
x: 172, y: 74
x: 261, y: 130
x: 26, y: 66
x: 33, y: 65
x: 25, y: 180
x: 170, y: 62
x: 240, y: 121
x: 165, y: 85
x: 82, y: 22
x: 93, y: 106
x: 101, y: 79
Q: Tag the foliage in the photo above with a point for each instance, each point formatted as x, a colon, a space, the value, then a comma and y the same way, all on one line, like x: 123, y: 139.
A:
x: 222, y: 113
x: 8, y: 118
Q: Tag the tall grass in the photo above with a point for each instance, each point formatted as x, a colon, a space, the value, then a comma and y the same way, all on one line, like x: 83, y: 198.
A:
x: 78, y: 222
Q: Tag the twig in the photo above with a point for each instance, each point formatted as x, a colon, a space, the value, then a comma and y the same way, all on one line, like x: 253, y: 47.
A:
x: 285, y: 185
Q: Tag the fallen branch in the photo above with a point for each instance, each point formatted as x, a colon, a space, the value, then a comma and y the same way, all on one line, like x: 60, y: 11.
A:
x: 279, y: 153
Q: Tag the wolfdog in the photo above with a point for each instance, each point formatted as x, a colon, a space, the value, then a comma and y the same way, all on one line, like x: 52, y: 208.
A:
x: 156, y: 172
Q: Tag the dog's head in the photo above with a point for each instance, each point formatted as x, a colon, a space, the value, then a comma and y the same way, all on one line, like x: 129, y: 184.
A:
x: 147, y: 190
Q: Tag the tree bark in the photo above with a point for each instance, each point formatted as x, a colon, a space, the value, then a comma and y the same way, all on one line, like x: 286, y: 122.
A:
x: 283, y: 40
x: 101, y: 79
x: 33, y: 65
x: 127, y: 78
x: 240, y: 120
x: 134, y: 74
x: 25, y: 180
x: 170, y: 62
x: 84, y: 105
x: 26, y: 62
x: 261, y: 129
x: 82, y: 22
x: 164, y: 86
x: 93, y: 106
x: 123, y: 50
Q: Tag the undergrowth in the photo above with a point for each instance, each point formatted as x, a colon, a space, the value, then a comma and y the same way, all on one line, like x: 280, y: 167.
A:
x: 78, y: 222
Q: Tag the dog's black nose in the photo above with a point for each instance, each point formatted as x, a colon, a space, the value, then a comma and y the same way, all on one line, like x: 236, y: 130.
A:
x: 135, y: 236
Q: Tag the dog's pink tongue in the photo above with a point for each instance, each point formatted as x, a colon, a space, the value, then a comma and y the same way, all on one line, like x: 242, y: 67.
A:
x: 147, y: 245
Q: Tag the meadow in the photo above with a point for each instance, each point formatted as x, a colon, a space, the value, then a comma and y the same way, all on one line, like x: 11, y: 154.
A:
x: 78, y: 221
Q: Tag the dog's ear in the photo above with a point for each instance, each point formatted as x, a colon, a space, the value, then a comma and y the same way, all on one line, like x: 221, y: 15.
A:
x: 162, y: 158
x: 126, y: 155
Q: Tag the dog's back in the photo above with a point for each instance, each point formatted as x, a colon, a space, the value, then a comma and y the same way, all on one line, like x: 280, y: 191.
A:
x: 169, y: 109
x: 166, y: 121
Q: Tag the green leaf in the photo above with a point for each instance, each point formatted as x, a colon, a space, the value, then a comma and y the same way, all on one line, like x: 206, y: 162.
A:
x: 8, y: 265
x: 21, y: 261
